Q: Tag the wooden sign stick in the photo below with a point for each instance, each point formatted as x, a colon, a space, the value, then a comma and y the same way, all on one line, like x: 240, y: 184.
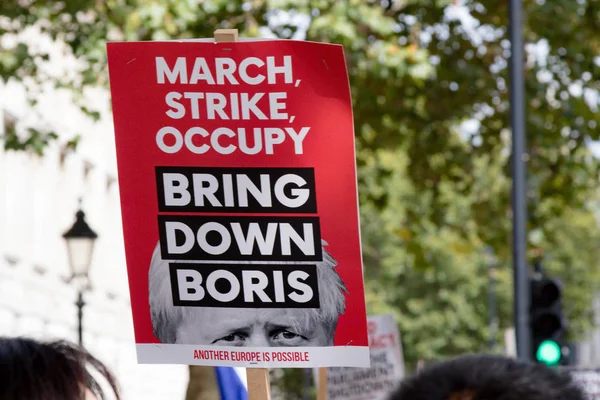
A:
x: 258, y: 384
x: 226, y: 35
x: 258, y: 378
x: 322, y: 384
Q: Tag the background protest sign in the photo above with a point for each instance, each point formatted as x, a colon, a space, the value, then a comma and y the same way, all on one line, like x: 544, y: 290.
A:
x: 385, y: 373
x: 239, y: 203
x: 589, y: 381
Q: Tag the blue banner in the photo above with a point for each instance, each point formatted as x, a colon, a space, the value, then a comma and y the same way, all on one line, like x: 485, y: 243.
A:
x: 230, y: 384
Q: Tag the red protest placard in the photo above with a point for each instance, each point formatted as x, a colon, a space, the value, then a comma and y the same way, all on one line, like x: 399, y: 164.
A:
x: 239, y: 203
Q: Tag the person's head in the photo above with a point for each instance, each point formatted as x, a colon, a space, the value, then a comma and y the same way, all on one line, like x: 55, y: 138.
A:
x: 55, y: 370
x: 486, y: 377
x: 248, y: 327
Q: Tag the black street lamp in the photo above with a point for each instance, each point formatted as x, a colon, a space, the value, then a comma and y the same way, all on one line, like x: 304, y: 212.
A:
x: 80, y: 240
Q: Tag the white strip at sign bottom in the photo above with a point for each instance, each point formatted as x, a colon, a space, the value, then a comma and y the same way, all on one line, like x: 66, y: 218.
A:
x: 254, y: 357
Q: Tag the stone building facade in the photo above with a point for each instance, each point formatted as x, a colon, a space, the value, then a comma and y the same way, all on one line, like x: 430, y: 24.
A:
x: 38, y: 200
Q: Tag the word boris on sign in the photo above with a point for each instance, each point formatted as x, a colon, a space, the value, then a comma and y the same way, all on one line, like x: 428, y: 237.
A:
x: 258, y: 286
x: 239, y: 202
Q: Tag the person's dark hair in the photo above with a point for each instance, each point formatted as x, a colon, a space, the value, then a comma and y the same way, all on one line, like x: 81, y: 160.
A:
x: 486, y: 377
x: 55, y: 370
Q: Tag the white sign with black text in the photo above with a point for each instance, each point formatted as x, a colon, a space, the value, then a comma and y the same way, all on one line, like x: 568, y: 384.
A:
x: 589, y: 381
x: 387, y: 365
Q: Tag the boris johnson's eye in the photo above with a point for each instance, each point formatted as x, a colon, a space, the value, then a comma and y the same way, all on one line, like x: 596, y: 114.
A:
x: 286, y: 337
x: 233, y: 339
x: 289, y: 335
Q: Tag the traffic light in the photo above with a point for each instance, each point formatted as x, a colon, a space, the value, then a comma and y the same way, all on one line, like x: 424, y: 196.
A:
x: 547, y: 321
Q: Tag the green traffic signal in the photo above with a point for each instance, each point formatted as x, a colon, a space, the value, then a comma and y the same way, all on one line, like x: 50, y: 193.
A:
x: 547, y: 322
x: 548, y: 352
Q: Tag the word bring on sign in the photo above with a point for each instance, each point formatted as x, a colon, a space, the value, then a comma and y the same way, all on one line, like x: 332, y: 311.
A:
x: 239, y: 203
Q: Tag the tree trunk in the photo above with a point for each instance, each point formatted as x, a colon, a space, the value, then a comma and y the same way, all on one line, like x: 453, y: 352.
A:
x: 203, y: 384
